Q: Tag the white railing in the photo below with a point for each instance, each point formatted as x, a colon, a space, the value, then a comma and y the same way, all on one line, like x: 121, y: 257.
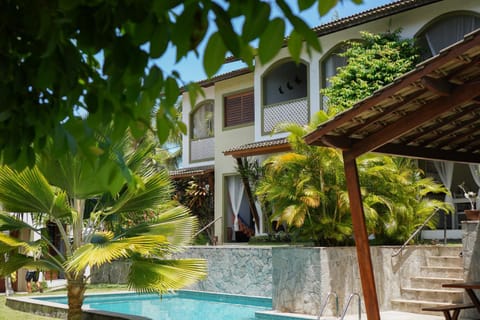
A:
x: 294, y: 111
x: 202, y: 149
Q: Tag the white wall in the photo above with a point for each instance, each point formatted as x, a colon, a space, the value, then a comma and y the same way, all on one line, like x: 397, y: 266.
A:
x: 411, y: 22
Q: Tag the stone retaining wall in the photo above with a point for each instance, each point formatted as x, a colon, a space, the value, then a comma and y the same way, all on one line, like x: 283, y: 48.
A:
x: 471, y: 261
x: 298, y: 278
x: 302, y: 277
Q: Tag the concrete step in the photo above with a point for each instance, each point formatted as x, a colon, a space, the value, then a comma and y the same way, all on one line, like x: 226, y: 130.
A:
x: 445, y: 261
x: 433, y: 295
x: 431, y: 282
x: 415, y: 306
x: 449, y: 272
x: 450, y: 250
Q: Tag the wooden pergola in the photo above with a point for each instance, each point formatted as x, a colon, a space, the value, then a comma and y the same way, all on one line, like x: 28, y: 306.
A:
x: 432, y: 112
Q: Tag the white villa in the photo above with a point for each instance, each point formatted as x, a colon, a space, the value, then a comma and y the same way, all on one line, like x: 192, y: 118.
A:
x: 240, y: 109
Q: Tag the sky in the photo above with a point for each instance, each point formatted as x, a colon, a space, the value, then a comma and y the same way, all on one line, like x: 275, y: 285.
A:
x: 191, y: 69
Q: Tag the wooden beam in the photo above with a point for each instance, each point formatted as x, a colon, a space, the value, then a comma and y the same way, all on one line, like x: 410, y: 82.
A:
x: 428, y: 153
x: 408, y: 79
x: 341, y: 143
x: 415, y: 119
x: 440, y: 87
x: 442, y: 121
x: 361, y: 241
x: 386, y: 112
x: 459, y: 126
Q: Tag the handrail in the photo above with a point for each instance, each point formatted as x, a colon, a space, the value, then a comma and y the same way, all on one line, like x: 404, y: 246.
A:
x: 324, y: 305
x: 348, y: 304
x: 208, y: 225
x: 396, y: 253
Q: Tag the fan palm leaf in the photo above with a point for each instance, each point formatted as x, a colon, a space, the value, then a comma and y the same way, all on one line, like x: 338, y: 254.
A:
x: 176, y: 224
x: 9, y: 222
x: 110, y: 249
x: 156, y: 191
x: 29, y: 191
x: 156, y: 275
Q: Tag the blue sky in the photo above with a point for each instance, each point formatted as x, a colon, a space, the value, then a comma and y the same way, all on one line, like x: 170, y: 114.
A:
x: 191, y: 69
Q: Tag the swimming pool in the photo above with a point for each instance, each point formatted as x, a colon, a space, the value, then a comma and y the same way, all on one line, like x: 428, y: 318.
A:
x: 182, y: 305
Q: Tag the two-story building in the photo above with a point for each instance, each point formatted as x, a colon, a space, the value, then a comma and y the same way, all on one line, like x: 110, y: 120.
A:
x: 240, y: 109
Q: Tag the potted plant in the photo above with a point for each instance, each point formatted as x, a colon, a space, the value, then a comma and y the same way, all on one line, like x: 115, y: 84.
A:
x: 472, y: 213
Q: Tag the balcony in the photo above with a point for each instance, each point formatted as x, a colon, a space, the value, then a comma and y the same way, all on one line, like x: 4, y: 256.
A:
x: 292, y: 111
x: 202, y: 149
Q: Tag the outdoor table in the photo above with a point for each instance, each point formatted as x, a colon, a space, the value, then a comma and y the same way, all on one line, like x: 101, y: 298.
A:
x: 469, y: 286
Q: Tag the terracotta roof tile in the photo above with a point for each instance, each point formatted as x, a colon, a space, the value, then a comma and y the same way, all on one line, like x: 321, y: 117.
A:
x: 370, y: 15
x: 193, y: 171
x: 258, y: 148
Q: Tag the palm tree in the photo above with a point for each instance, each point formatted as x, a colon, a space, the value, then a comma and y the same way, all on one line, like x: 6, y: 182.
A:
x: 307, y: 190
x: 397, y: 197
x: 56, y: 190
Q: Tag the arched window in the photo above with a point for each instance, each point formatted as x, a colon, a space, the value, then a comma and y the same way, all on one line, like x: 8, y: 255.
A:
x: 202, y: 121
x: 285, y: 82
x: 285, y: 96
x: 445, y: 31
x: 329, y: 65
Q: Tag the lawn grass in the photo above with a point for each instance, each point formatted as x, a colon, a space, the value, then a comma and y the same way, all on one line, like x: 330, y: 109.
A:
x: 10, y: 314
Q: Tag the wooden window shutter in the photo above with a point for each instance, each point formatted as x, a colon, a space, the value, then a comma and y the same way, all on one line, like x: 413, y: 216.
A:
x: 239, y: 109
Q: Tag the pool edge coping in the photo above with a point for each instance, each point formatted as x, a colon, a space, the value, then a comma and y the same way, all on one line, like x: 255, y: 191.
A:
x: 60, y: 310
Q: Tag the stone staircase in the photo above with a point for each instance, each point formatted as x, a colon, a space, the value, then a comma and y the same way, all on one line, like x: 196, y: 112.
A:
x: 425, y: 289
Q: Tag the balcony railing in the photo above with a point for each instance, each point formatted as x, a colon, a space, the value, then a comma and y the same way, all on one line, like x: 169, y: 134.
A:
x: 202, y: 149
x: 293, y: 111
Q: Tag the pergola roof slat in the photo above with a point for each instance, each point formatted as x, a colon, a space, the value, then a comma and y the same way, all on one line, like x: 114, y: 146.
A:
x: 423, y: 110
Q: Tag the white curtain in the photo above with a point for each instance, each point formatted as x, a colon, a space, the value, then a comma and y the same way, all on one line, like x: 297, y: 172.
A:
x: 445, y: 171
x: 475, y: 170
x: 235, y: 193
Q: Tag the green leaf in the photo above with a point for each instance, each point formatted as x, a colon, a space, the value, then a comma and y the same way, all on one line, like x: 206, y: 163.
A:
x: 324, y: 6
x: 163, y: 125
x: 182, y: 127
x: 256, y: 21
x: 159, y: 41
x: 305, y: 4
x: 295, y: 45
x: 271, y: 40
x: 171, y: 91
x: 214, y: 56
x: 153, y: 82
x: 225, y: 28
x: 308, y: 34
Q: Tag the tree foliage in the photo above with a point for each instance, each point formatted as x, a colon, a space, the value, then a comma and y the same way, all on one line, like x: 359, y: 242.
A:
x: 307, y: 187
x: 307, y: 191
x: 63, y: 60
x: 138, y: 222
x: 373, y: 62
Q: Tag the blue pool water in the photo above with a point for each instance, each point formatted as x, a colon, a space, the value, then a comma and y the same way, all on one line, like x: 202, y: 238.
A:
x: 183, y: 305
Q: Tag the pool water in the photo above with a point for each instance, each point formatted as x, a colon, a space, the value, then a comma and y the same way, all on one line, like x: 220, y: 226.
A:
x: 183, y: 305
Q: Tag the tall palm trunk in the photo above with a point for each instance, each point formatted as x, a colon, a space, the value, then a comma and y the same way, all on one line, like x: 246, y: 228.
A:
x: 76, y: 281
x: 76, y: 292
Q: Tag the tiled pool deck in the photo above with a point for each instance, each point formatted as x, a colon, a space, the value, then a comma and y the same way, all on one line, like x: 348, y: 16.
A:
x: 386, y: 315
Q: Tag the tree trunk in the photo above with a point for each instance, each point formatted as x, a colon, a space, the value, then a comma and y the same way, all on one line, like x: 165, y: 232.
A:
x: 76, y: 291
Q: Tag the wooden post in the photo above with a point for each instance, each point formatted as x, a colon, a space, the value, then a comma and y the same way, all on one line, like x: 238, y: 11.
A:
x: 361, y: 240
